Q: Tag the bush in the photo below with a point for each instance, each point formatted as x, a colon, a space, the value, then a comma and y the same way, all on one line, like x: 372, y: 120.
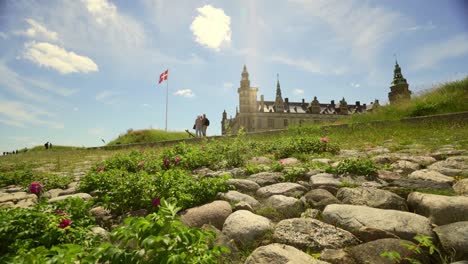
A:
x: 359, y: 166
x: 25, y: 176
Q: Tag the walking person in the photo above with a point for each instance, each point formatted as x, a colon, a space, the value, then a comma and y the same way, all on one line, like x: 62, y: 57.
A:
x: 198, y: 126
x: 205, y: 123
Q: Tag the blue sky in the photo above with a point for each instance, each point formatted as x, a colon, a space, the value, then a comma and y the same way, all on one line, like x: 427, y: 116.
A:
x: 73, y: 72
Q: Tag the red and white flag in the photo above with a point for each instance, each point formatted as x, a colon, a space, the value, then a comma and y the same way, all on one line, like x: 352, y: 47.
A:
x: 163, y: 76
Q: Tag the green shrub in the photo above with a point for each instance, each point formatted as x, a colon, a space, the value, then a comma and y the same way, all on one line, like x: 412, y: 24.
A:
x: 25, y: 176
x: 294, y: 174
x: 360, y: 166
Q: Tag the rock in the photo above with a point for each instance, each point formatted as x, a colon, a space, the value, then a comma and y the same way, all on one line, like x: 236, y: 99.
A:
x: 286, y: 206
x: 377, y: 151
x: 280, y: 254
x: 442, y: 154
x: 284, y: 188
x: 453, y: 238
x: 72, y: 185
x: 243, y: 206
x: 28, y: 202
x: 103, y: 216
x: 440, y: 209
x: 68, y: 191
x: 349, y: 153
x: 311, y: 234
x: 311, y: 213
x: 405, y: 166
x: 218, y: 174
x: 202, y: 171
x: 323, y: 161
x: 370, y: 252
x: 372, y: 197
x: 246, y: 227
x: 101, y: 232
x: 236, y: 172
x: 420, y: 184
x: 235, y: 197
x: 452, y: 166
x: 324, y: 179
x: 223, y: 240
x: 421, y: 160
x: 289, y: 162
x: 266, y: 178
x: 260, y: 161
x: 214, y: 213
x: 319, y: 198
x: 384, y: 159
x: 429, y: 175
x: 13, y: 197
x: 52, y: 193
x: 336, y: 256
x: 12, y: 189
x: 388, y: 175
x: 355, y: 218
x: 243, y: 185
x: 7, y: 204
x: 461, y: 187
x: 83, y: 196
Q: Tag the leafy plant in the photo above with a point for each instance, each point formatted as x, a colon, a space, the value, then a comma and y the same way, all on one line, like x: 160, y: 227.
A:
x: 360, y: 166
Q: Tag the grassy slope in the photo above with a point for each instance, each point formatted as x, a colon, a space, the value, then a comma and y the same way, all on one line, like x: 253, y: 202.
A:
x: 147, y: 135
x: 451, y: 97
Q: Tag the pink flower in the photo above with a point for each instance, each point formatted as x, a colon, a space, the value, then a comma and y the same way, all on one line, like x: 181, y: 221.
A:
x: 100, y: 168
x: 35, y: 187
x: 141, y: 163
x: 156, y: 201
x: 176, y: 160
x: 65, y: 222
x: 167, y: 163
x: 60, y: 212
x: 281, y: 161
x: 324, y: 139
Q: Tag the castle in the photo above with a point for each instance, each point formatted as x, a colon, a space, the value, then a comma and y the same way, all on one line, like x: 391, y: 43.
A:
x: 256, y: 116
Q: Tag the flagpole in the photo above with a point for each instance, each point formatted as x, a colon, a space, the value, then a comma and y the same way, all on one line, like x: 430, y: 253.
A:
x: 167, y: 96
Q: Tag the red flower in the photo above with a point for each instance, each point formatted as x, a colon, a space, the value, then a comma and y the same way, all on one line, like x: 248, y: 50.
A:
x: 156, y: 201
x: 100, y: 168
x: 176, y: 160
x: 324, y: 139
x: 60, y: 212
x: 167, y: 163
x: 65, y: 222
x: 281, y: 161
x: 35, y: 187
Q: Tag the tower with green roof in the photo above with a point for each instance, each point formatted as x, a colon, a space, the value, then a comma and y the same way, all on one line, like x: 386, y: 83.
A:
x: 399, y: 90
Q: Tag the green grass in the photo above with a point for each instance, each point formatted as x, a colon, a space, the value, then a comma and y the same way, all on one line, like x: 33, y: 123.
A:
x: 147, y: 136
x: 450, y: 97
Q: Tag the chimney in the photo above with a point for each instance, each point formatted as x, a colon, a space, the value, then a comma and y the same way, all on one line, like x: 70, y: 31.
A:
x: 358, y: 103
x: 303, y: 101
x: 286, y: 100
x: 364, y: 106
x: 332, y: 102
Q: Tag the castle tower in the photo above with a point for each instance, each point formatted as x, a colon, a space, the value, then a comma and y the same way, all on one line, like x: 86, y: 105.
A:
x: 279, y: 104
x: 314, y: 107
x: 343, y: 107
x: 223, y: 123
x: 399, y: 89
x: 247, y: 94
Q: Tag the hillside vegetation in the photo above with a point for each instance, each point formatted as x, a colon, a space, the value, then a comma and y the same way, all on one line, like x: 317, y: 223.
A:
x: 147, y: 135
x: 450, y: 97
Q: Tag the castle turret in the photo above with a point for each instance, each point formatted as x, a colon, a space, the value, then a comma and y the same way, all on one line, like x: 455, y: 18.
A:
x: 247, y: 94
x: 343, y: 107
x: 399, y: 90
x: 279, y: 104
x: 314, y: 107
x: 223, y: 123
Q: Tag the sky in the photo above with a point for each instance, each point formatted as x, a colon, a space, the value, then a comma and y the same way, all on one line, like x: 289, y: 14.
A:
x: 74, y: 72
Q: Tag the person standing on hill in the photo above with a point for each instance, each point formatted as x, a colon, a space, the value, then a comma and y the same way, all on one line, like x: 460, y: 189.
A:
x: 198, y: 126
x: 205, y: 124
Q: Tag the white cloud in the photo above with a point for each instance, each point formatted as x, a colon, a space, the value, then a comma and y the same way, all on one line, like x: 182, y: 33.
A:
x: 298, y: 91
x: 432, y: 54
x: 37, y: 31
x: 355, y: 85
x: 212, y: 27
x: 228, y: 85
x: 57, y: 58
x: 185, y: 93
x: 306, y: 65
x: 15, y: 113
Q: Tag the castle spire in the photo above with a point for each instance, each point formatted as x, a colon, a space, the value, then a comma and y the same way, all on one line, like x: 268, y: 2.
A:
x: 278, y: 87
x: 279, y: 104
x: 245, y: 82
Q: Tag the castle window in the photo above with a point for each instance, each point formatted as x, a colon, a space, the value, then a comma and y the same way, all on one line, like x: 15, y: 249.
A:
x: 285, y: 123
x: 271, y: 123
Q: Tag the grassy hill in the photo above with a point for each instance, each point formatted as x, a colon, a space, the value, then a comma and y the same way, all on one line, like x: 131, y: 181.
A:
x: 147, y: 135
x: 450, y: 97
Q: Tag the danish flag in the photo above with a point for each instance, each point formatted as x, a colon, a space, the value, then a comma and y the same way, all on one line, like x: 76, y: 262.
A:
x: 163, y: 76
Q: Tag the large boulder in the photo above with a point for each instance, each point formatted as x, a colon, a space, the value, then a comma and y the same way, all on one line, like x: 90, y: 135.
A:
x: 83, y: 196
x: 14, y: 197
x: 461, y: 187
x: 283, y: 188
x: 324, y: 179
x: 420, y: 184
x: 430, y: 175
x: 421, y: 160
x: 337, y: 256
x: 245, y: 227
x: 266, y: 178
x: 52, y: 193
x: 440, y: 209
x: 405, y: 167
x: 372, y: 197
x: 363, y: 221
x: 244, y: 185
x: 214, y: 213
x: 236, y: 197
x: 454, y: 239
x: 311, y: 234
x: 319, y: 198
x: 280, y: 254
x: 370, y: 252
x: 453, y: 166
x: 288, y: 162
x: 286, y: 206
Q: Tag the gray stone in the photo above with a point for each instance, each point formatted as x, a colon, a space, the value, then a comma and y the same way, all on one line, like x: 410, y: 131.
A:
x: 311, y: 234
x: 440, y: 209
x: 52, y: 193
x: 101, y: 232
x: 235, y: 197
x: 288, y: 162
x: 7, y: 204
x: 452, y: 166
x: 388, y: 175
x: 260, y: 161
x: 246, y: 227
x: 324, y: 179
x: 28, y: 202
x: 12, y: 189
x: 202, y: 171
x: 377, y: 151
x: 323, y: 161
x: 237, y: 172
x: 356, y: 218
x: 286, y: 206
x: 319, y: 198
x: 73, y: 185
x: 284, y: 188
x: 103, y: 216
x: 243, y: 206
x: 280, y: 254
x: 430, y: 175
x: 454, y: 239
x: 214, y: 213
x: 384, y: 159
x: 420, y: 184
x: 266, y: 178
x: 13, y: 197
x: 83, y: 196
x: 421, y: 160
x: 372, y: 197
x: 405, y: 167
x: 349, y: 153
x: 68, y: 191
x: 336, y: 256
x: 442, y: 154
x: 244, y: 185
x: 461, y: 187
